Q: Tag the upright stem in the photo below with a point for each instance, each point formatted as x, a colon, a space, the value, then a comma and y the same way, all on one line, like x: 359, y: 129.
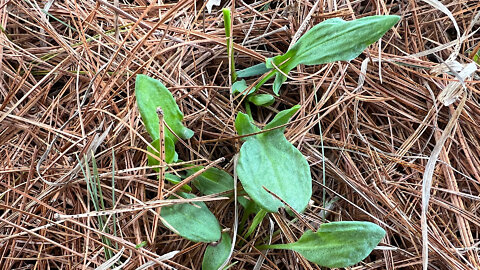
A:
x: 249, y: 110
x: 228, y: 33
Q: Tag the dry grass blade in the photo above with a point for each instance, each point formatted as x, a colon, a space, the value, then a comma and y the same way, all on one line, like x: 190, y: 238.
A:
x: 428, y: 175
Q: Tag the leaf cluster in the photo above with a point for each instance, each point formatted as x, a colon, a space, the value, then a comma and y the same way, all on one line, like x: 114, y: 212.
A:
x: 267, y: 162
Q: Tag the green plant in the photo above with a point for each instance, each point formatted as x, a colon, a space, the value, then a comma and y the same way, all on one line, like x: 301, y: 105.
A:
x: 329, y: 41
x: 151, y: 94
x: 267, y: 163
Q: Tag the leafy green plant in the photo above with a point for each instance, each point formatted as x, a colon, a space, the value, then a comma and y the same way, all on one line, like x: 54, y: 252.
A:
x: 151, y: 94
x: 329, y: 41
x: 267, y: 162
x: 193, y: 222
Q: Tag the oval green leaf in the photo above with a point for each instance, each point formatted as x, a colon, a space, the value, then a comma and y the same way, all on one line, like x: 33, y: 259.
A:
x: 256, y: 70
x: 240, y: 86
x: 195, y: 223
x: 337, y: 244
x: 270, y: 160
x: 151, y: 94
x: 329, y: 41
x: 261, y: 99
x: 211, y: 181
x: 216, y: 255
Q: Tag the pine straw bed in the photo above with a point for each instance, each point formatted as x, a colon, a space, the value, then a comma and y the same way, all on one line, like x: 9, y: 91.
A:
x: 68, y: 78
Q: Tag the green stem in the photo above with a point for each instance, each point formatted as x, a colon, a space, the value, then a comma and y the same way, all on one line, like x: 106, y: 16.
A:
x: 248, y: 110
x: 278, y: 246
x: 227, y: 19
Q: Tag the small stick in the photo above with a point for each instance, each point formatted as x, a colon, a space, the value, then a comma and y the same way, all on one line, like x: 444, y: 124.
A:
x: 139, y: 207
x: 161, y: 143
x: 161, y: 174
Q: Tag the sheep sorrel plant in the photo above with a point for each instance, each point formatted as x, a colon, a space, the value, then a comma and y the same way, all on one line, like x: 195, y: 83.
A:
x: 273, y: 173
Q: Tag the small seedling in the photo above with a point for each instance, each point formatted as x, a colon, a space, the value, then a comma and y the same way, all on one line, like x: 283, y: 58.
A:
x: 193, y: 222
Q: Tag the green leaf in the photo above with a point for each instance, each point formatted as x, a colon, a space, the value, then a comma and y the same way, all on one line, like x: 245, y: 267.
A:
x: 172, y: 178
x: 255, y: 222
x: 282, y: 118
x: 244, y: 126
x: 240, y: 86
x: 169, y: 152
x: 337, y: 244
x: 256, y: 70
x: 175, y: 180
x: 269, y: 159
x: 216, y: 255
x: 141, y: 245
x: 261, y: 99
x: 195, y: 223
x: 212, y: 180
x: 476, y: 57
x: 329, y: 41
x: 150, y: 94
